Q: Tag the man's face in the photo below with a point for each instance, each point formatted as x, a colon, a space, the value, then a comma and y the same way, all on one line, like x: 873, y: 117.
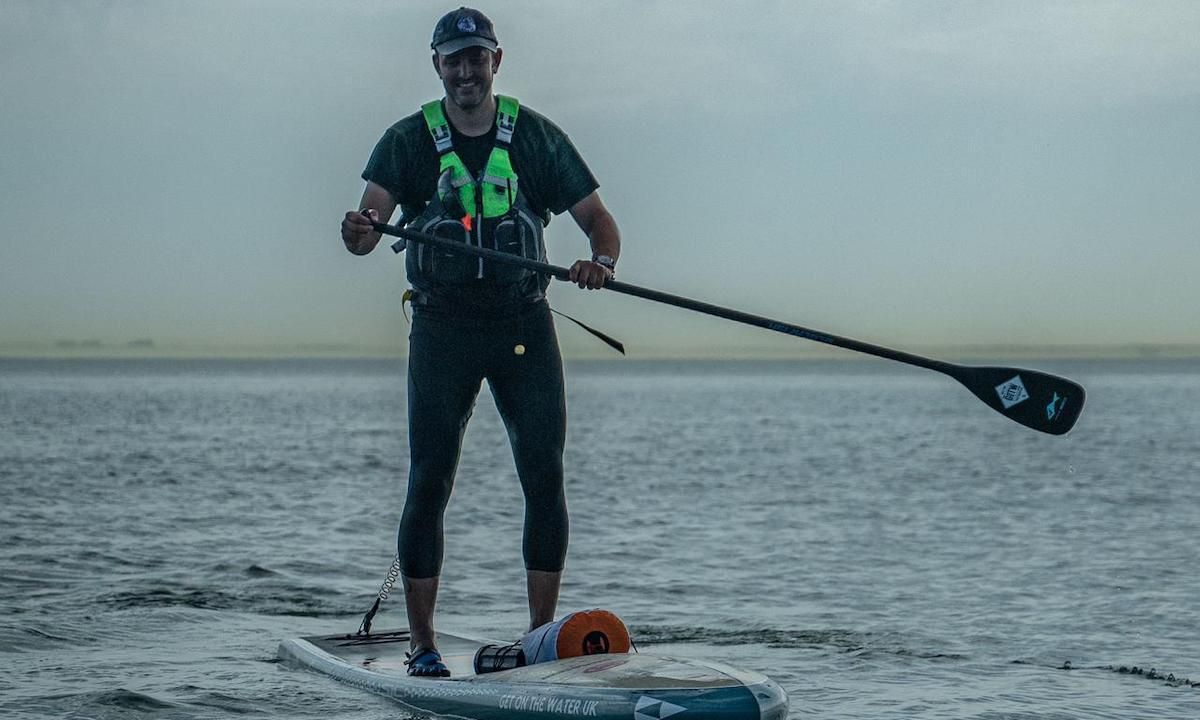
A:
x: 467, y: 75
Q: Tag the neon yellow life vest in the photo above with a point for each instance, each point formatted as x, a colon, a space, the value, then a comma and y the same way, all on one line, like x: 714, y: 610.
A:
x: 499, y: 181
x: 487, y: 211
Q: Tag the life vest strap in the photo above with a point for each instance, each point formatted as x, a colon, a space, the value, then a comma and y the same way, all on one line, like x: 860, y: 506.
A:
x: 439, y: 128
x: 506, y: 118
x: 499, y: 170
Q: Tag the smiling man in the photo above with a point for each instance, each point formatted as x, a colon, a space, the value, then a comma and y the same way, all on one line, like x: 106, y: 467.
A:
x: 481, y: 169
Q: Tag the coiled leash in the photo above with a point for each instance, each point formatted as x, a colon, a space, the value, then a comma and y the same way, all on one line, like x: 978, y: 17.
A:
x: 384, y: 591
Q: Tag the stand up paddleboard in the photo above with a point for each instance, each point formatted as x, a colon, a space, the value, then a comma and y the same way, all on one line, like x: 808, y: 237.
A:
x: 628, y: 686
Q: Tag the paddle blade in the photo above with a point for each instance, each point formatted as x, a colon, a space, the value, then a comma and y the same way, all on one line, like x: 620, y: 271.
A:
x: 1037, y: 400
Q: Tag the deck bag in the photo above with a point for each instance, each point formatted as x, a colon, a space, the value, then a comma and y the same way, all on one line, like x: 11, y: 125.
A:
x: 588, y: 632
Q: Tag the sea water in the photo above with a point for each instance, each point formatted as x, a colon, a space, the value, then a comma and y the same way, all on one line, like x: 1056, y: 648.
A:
x: 869, y: 535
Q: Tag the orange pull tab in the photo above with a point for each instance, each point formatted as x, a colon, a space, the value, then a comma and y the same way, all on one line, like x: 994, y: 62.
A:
x: 466, y: 221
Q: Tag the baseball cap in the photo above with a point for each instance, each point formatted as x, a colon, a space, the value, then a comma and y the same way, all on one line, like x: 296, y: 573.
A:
x: 461, y: 29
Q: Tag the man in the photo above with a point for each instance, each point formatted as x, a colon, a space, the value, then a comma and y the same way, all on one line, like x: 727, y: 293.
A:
x: 481, y: 169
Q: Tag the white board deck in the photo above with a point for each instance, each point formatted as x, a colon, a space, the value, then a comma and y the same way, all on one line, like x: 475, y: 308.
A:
x: 634, y: 686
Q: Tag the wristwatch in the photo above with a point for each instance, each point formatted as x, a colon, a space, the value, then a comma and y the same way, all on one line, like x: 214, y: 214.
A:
x: 607, y: 261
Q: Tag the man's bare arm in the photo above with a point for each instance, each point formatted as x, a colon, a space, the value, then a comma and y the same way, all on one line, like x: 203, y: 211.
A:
x: 601, y: 229
x: 357, y: 234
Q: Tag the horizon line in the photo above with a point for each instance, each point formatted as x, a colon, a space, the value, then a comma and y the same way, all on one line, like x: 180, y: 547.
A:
x: 95, y: 350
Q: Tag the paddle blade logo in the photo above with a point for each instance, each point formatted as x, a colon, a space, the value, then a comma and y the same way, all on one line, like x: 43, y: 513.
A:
x: 649, y: 708
x: 1012, y: 392
x: 1054, y: 409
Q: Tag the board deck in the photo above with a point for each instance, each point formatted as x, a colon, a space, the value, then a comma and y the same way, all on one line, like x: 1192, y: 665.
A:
x: 634, y: 686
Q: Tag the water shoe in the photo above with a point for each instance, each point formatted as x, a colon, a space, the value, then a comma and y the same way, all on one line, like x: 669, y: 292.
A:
x: 426, y: 662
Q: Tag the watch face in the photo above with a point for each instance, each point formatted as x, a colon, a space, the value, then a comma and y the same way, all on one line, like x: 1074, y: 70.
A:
x: 604, y: 260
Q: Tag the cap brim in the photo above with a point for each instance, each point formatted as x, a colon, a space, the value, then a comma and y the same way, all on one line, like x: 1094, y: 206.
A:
x: 459, y: 44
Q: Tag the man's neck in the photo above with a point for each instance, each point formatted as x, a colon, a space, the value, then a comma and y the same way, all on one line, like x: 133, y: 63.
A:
x: 474, y: 121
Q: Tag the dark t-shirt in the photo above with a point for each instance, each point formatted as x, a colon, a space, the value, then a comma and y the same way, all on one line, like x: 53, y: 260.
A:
x: 552, y: 173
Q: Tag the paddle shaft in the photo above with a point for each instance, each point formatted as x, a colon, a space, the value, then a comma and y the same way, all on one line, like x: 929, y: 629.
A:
x: 1047, y: 403
x: 746, y: 318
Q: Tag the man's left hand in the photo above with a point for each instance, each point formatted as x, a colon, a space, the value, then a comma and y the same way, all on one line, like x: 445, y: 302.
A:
x: 590, y: 275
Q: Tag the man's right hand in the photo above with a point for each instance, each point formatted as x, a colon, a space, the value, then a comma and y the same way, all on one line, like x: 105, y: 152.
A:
x: 357, y: 234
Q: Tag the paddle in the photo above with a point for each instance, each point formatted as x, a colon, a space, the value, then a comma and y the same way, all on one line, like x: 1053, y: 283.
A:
x: 1035, y: 399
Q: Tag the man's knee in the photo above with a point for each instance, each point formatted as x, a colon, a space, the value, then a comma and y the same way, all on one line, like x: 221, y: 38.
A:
x: 541, y: 477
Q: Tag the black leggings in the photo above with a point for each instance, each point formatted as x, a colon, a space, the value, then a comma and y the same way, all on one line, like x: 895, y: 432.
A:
x: 447, y: 360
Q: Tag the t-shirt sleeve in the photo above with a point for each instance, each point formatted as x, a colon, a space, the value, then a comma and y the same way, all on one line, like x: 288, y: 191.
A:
x: 575, y: 178
x: 402, y: 163
x: 382, y: 168
x: 563, y: 177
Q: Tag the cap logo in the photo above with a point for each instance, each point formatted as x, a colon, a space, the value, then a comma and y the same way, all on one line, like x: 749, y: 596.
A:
x: 466, y: 24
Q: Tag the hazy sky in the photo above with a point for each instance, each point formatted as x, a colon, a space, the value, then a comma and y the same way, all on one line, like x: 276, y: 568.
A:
x: 908, y: 173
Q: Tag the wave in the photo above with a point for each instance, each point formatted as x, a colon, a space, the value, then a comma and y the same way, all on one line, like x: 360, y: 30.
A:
x: 1169, y: 678
x: 105, y: 703
x: 130, y: 699
x: 258, y: 571
x: 33, y: 633
x: 226, y: 703
x: 299, y: 602
x: 839, y: 640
